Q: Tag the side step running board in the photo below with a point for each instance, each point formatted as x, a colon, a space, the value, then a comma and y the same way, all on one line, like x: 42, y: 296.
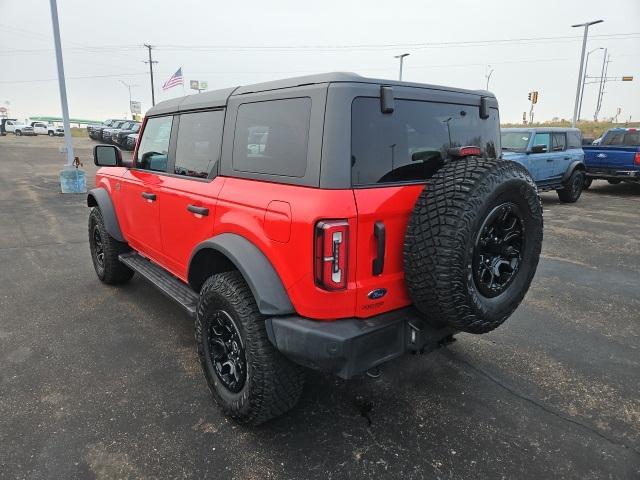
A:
x: 163, y: 280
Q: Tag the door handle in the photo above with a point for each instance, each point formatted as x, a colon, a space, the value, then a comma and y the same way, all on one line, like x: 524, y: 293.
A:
x: 380, y: 236
x: 204, y: 211
x: 149, y: 196
x: 549, y: 159
x: 567, y: 158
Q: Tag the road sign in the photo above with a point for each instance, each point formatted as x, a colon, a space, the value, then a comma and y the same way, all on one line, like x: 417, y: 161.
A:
x: 3, y: 110
x: 204, y: 85
x: 194, y: 84
x: 136, y: 107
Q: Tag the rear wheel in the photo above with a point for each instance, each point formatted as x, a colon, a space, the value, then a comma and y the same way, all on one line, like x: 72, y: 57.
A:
x: 18, y: 133
x: 473, y: 243
x: 250, y: 380
x: 105, y: 251
x: 614, y: 182
x: 51, y: 133
x: 573, y: 188
x: 587, y: 183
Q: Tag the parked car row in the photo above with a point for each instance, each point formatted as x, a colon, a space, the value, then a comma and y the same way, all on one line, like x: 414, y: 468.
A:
x: 123, y: 133
x: 18, y: 128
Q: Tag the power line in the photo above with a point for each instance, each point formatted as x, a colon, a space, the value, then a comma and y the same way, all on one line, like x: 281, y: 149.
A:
x: 451, y: 44
x: 75, y: 78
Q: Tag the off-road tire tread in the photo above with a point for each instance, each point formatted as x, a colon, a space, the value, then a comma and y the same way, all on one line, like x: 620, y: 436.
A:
x: 565, y: 195
x: 115, y: 272
x: 276, y: 383
x: 437, y: 235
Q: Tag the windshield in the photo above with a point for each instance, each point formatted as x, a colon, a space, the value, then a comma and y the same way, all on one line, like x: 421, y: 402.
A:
x: 515, y: 141
x: 411, y: 143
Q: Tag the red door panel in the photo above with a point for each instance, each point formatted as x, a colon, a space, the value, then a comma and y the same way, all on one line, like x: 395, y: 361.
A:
x: 141, y: 210
x: 184, y: 228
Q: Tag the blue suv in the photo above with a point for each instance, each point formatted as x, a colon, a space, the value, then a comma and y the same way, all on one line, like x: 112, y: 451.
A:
x: 553, y: 156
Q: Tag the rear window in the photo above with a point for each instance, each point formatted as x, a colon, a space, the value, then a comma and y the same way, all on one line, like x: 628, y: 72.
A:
x: 411, y: 143
x: 271, y: 137
x: 622, y: 138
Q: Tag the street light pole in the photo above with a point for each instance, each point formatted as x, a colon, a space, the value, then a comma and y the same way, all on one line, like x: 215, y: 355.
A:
x: 488, y: 77
x: 584, y: 47
x: 584, y: 79
x: 401, y: 57
x: 61, y: 82
x: 603, y: 81
x: 129, y: 87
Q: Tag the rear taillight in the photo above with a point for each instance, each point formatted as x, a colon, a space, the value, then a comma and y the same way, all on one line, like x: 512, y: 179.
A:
x: 331, y: 254
x: 469, y: 151
x: 636, y: 159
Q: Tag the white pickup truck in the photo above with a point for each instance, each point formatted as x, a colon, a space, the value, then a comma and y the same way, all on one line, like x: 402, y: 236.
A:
x: 41, y: 128
x: 18, y: 127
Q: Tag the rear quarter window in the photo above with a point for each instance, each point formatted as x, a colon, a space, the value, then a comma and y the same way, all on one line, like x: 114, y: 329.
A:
x: 271, y: 137
x: 411, y: 143
x: 574, y: 140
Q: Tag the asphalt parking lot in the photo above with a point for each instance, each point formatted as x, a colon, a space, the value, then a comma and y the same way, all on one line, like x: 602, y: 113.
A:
x: 103, y: 382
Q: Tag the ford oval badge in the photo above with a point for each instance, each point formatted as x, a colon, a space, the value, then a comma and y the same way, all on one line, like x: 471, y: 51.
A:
x: 377, y: 293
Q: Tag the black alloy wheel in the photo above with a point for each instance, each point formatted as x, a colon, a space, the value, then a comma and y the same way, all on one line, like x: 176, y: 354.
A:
x: 98, y: 247
x: 226, y: 351
x: 498, y: 250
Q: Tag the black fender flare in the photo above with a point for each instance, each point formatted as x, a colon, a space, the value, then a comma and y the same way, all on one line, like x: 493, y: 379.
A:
x: 263, y: 280
x: 576, y: 164
x: 99, y: 197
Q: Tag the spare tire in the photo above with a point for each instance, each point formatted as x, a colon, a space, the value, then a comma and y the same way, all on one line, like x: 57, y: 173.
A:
x: 473, y: 243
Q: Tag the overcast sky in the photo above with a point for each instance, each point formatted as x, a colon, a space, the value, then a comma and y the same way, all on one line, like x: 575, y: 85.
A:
x: 233, y: 43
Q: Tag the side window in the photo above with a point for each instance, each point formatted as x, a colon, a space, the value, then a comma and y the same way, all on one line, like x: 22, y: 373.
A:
x: 272, y: 137
x: 543, y: 139
x: 153, y: 152
x: 574, y: 140
x: 199, y: 142
x: 559, y: 142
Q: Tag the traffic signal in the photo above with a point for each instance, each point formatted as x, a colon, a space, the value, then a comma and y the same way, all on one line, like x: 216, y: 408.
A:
x: 627, y: 78
x: 529, y: 96
x: 534, y: 100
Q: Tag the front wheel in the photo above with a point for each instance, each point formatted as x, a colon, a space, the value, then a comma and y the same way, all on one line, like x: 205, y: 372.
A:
x: 250, y: 380
x: 18, y: 133
x: 105, y: 251
x: 50, y: 133
x: 587, y: 183
x: 614, y: 182
x: 573, y: 188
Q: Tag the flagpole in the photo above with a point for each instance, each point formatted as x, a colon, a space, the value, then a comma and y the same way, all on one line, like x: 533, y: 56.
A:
x: 183, y: 93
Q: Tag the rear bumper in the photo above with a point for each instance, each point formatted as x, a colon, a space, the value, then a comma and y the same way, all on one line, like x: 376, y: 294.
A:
x: 352, y: 346
x: 613, y: 173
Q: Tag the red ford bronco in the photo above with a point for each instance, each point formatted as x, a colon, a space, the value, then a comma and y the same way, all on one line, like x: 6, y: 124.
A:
x: 331, y: 222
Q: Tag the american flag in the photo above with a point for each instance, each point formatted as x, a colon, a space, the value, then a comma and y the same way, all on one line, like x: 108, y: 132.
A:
x: 176, y: 79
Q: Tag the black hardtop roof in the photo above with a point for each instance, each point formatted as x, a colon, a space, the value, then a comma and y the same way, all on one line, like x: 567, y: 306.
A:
x: 218, y: 98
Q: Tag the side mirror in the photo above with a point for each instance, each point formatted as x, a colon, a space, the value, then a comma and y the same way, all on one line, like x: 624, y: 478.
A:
x: 539, y: 149
x: 107, y: 156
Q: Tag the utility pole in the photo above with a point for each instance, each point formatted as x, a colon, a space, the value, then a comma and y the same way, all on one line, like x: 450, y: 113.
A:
x: 401, y: 57
x: 61, y: 82
x: 584, y: 79
x: 151, y: 62
x: 584, y: 47
x: 603, y: 82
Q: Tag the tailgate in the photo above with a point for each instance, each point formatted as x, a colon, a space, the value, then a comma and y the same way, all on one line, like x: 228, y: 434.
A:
x: 383, y: 214
x: 612, y: 157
